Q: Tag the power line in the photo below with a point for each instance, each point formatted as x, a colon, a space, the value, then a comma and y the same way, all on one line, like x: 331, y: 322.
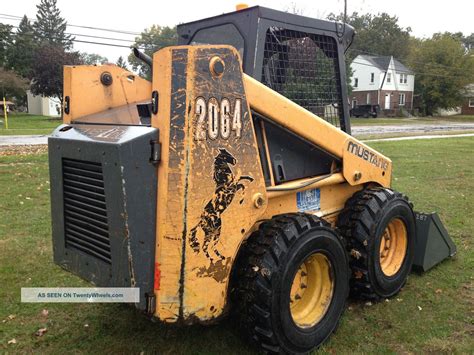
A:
x: 97, y: 37
x: 14, y: 17
x: 90, y: 42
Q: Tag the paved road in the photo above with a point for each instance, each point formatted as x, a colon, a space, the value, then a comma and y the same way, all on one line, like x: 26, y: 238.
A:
x: 23, y: 140
x: 356, y: 130
x: 412, y: 128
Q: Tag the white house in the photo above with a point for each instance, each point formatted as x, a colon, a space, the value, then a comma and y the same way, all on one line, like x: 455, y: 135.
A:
x: 382, y: 81
x: 45, y: 106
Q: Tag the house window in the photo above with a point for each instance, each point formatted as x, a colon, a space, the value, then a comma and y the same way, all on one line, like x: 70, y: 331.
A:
x: 471, y: 102
x: 389, y: 77
x: 356, y: 82
x: 368, y: 98
x: 403, y: 78
x: 406, y: 79
x: 372, y: 78
x: 401, y: 100
x: 354, y: 103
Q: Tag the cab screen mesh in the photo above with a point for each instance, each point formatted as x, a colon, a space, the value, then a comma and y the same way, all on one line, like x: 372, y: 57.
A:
x: 304, y: 68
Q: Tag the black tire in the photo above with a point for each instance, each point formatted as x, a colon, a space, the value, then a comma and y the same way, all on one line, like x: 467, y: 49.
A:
x: 363, y: 222
x: 266, y: 268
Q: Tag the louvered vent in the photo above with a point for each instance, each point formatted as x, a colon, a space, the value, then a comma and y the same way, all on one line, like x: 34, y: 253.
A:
x: 85, y: 211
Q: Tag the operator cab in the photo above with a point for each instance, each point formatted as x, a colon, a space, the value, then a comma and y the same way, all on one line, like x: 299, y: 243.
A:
x: 299, y: 57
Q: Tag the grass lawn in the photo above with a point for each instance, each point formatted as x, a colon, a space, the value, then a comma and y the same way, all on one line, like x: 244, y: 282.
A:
x: 434, y: 312
x: 413, y: 120
x: 24, y: 124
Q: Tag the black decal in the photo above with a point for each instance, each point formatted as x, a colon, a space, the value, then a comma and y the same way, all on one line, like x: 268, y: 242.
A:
x: 226, y: 187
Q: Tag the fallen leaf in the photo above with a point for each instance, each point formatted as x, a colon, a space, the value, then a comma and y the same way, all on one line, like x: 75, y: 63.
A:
x: 21, y: 202
x: 86, y: 325
x: 439, y: 290
x: 40, y: 332
x: 399, y: 299
x: 12, y: 341
x: 27, y: 198
x: 11, y: 316
x: 419, y: 308
x: 368, y: 303
x: 44, y: 312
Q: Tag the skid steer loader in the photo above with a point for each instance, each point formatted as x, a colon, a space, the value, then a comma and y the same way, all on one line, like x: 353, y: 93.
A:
x: 230, y: 181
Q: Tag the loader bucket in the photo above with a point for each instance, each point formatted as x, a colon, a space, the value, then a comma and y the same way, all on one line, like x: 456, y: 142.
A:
x: 433, y: 243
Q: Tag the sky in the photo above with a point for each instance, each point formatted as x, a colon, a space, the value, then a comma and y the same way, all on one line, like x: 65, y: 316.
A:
x: 424, y: 17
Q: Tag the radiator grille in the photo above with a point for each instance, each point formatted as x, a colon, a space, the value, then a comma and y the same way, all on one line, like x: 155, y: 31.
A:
x: 304, y: 68
x: 85, y: 211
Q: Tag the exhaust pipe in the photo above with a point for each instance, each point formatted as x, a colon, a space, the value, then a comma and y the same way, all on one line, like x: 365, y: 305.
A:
x: 143, y: 57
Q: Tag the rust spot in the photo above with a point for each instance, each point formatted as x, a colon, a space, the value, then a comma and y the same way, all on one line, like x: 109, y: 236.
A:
x: 157, y: 277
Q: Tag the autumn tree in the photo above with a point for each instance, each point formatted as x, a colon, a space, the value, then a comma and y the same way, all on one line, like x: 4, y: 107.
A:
x: 50, y: 27
x: 21, y: 53
x: 48, y: 70
x: 152, y: 39
x: 443, y: 68
x: 13, y: 86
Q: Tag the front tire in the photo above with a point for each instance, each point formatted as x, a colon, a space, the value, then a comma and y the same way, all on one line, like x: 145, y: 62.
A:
x: 292, y: 283
x: 379, y: 226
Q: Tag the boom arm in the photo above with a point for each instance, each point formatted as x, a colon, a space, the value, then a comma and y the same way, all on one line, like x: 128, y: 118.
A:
x: 360, y: 163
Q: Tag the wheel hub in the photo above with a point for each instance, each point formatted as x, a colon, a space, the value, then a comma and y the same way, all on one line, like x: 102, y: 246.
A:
x: 393, y: 247
x: 311, y: 290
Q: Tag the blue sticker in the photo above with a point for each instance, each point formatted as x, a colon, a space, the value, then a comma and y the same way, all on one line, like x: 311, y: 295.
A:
x: 308, y: 200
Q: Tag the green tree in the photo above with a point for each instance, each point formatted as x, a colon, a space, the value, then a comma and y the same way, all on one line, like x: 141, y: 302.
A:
x: 376, y: 34
x: 152, y: 39
x: 122, y: 63
x: 443, y: 68
x: 21, y: 53
x: 92, y: 59
x: 5, y: 42
x: 48, y: 70
x: 50, y: 27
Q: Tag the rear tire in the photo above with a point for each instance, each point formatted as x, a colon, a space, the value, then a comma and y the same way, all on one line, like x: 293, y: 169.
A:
x: 292, y: 283
x: 379, y: 226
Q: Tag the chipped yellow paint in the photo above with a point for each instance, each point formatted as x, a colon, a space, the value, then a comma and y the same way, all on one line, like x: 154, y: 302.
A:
x: 89, y: 96
x: 189, y: 195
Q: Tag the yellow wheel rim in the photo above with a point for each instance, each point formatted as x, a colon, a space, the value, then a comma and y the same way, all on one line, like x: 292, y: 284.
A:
x: 311, y: 291
x: 393, y: 247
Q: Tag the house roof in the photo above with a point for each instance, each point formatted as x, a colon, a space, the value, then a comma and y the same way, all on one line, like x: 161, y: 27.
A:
x: 382, y: 62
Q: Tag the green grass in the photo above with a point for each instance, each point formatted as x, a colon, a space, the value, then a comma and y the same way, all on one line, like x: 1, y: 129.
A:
x: 438, y: 175
x: 24, y: 124
x: 413, y: 120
